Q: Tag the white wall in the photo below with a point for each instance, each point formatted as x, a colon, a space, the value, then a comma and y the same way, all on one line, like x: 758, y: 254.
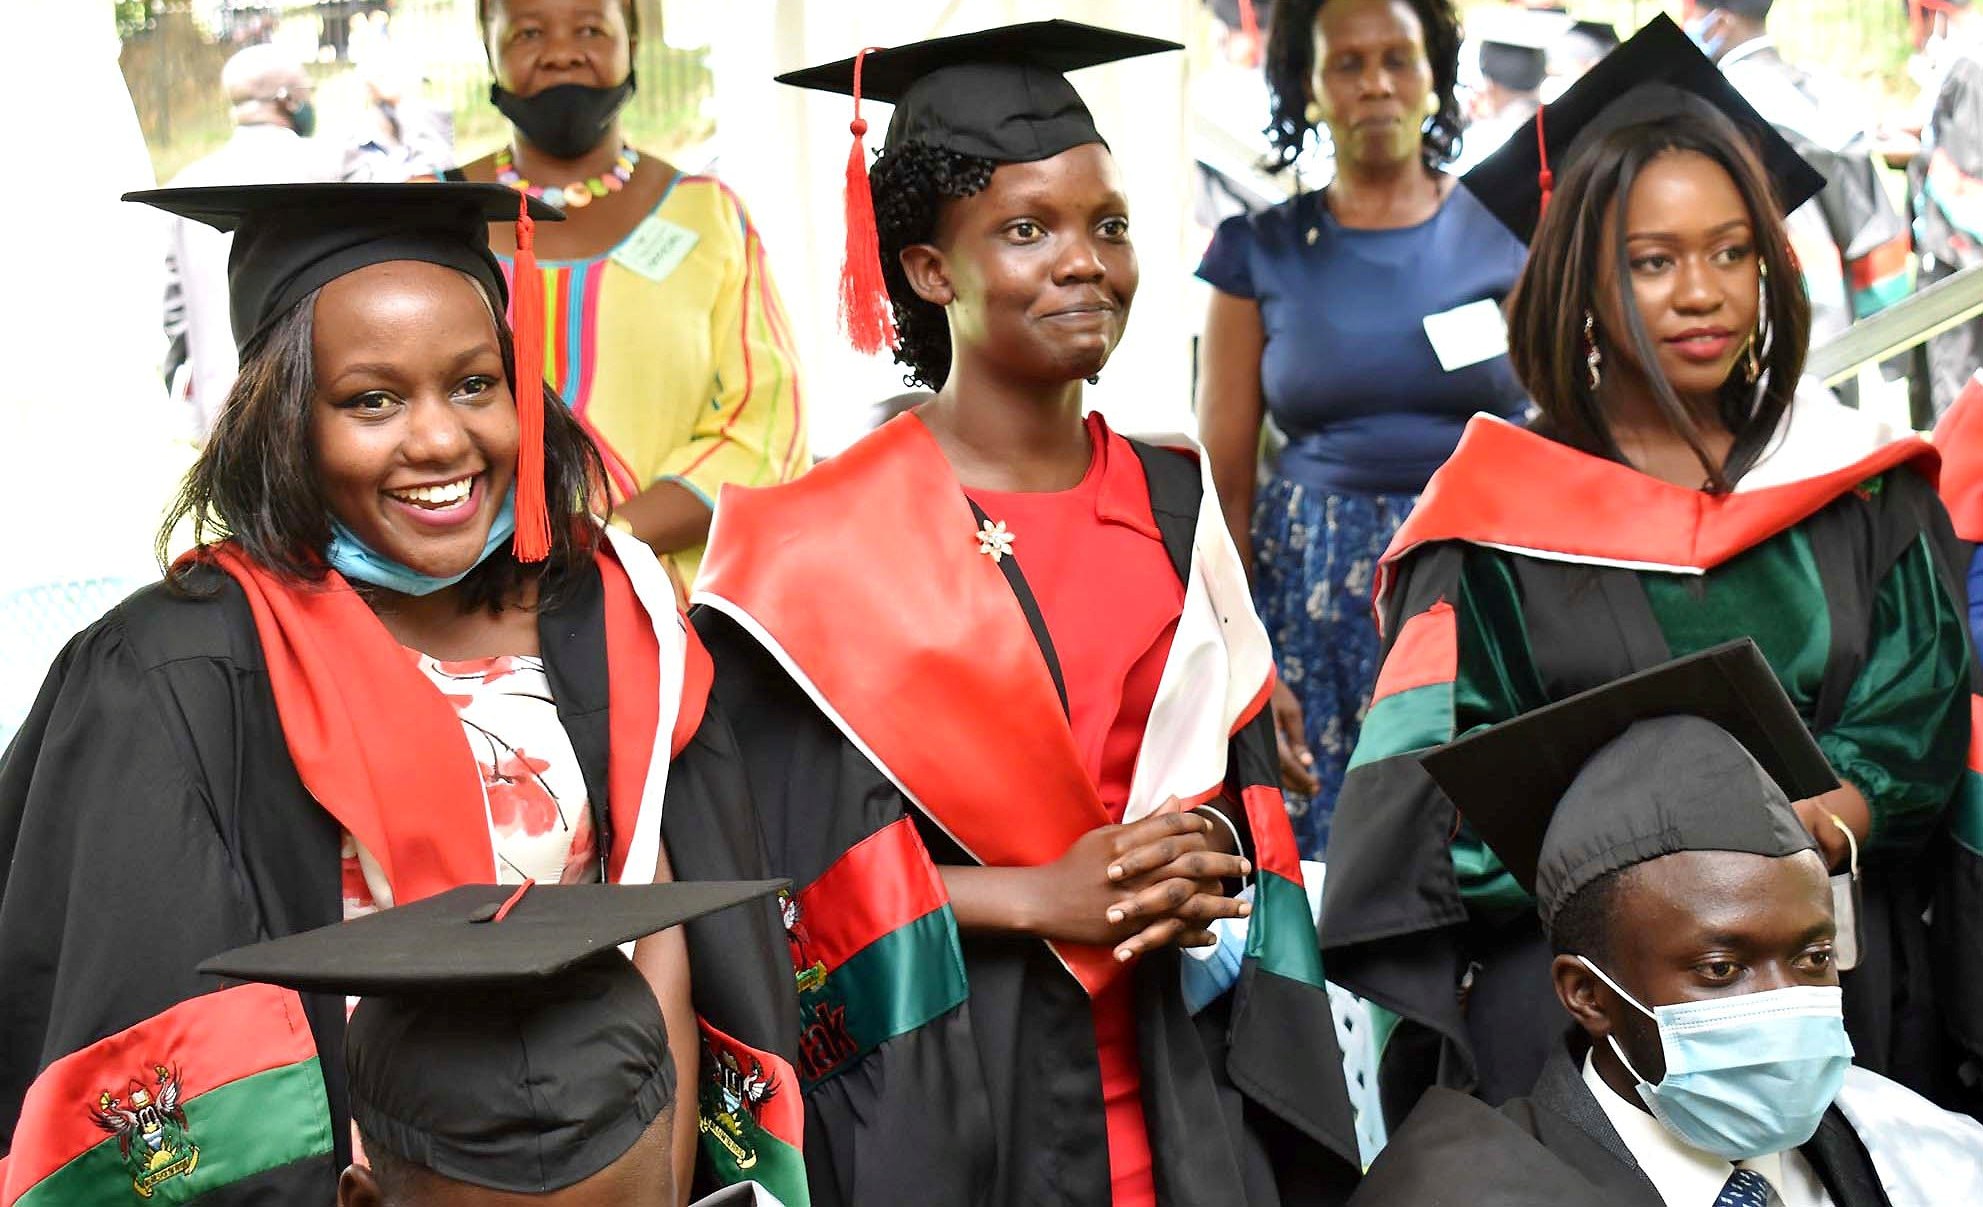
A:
x: 785, y: 151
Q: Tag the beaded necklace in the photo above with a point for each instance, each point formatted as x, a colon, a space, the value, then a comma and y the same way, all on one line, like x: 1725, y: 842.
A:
x: 574, y: 196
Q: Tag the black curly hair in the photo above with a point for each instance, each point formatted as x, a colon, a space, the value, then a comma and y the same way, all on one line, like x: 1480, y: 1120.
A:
x: 909, y: 185
x: 1290, y: 71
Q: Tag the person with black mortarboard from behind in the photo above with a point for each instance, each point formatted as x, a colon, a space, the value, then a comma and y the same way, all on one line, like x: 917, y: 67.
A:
x: 504, y: 1050
x: 1673, y: 491
x: 1696, y: 950
x: 1002, y: 696
x: 1573, y: 55
x: 382, y: 672
x: 1514, y: 62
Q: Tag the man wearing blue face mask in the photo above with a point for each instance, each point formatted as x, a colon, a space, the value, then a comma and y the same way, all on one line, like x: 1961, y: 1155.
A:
x: 1697, y: 955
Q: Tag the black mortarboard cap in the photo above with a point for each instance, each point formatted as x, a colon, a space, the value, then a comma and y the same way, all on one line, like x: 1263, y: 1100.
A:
x: 1658, y: 73
x: 503, y: 1040
x: 1514, y: 46
x: 1520, y: 68
x: 998, y: 94
x: 1603, y: 35
x: 1754, y: 10
x: 291, y: 239
x: 1704, y: 753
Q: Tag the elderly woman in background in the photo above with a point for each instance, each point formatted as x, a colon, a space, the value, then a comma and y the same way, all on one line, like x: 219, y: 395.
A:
x: 663, y: 330
x: 1365, y: 319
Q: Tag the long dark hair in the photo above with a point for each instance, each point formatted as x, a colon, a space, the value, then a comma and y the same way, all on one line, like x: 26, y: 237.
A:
x: 1290, y: 71
x: 256, y: 483
x: 1559, y: 286
x: 909, y: 185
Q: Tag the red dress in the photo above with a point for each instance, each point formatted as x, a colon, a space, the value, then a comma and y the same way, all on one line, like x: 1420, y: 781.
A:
x: 1110, y: 597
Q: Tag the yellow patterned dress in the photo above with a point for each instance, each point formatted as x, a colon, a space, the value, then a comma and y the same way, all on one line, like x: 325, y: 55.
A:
x: 674, y: 351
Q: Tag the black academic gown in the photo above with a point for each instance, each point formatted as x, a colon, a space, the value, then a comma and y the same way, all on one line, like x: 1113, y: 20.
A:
x: 994, y: 1099
x: 151, y: 817
x: 1556, y: 1148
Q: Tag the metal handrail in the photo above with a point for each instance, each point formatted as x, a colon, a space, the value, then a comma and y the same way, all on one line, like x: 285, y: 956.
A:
x: 1945, y: 304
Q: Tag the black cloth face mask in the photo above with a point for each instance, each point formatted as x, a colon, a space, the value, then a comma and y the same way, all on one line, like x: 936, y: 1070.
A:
x: 566, y: 120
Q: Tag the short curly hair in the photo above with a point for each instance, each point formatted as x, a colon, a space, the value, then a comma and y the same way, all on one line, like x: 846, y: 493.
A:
x: 1290, y: 68
x: 909, y: 184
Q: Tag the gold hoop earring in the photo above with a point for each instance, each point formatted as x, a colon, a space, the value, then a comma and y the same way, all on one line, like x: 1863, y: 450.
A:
x: 1593, y: 359
x: 1752, y: 367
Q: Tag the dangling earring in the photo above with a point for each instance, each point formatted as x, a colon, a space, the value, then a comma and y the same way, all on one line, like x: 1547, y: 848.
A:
x: 1095, y: 380
x: 1432, y: 104
x: 1593, y: 359
x: 1752, y: 367
x: 1313, y: 113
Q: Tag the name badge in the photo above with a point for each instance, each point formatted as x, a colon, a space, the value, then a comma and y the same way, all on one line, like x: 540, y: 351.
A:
x: 655, y: 247
x: 1467, y: 335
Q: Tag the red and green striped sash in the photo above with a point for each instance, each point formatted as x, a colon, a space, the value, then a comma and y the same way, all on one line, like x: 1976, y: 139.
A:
x: 750, y: 1117
x: 875, y: 950
x: 216, y: 1089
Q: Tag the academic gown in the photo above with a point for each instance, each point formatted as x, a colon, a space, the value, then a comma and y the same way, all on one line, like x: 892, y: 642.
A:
x: 151, y: 816
x: 895, y: 696
x: 1530, y: 572
x: 1556, y: 1148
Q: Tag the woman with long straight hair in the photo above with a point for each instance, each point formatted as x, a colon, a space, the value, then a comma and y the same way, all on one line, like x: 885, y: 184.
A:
x: 1674, y: 492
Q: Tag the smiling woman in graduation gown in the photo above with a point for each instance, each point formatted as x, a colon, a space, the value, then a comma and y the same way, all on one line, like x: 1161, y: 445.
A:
x: 1546, y: 559
x: 262, y: 745
x: 984, y: 656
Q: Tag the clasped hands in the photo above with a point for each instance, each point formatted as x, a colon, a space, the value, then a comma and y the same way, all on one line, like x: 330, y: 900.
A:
x: 1141, y: 886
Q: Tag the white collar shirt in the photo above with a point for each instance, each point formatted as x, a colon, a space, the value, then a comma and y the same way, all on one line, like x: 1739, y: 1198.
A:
x: 1686, y: 1176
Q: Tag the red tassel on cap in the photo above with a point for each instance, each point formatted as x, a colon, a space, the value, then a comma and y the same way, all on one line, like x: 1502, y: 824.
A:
x: 1544, y: 179
x: 532, y: 542
x: 864, y: 310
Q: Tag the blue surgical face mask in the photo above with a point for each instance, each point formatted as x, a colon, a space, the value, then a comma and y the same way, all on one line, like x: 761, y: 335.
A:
x: 352, y: 558
x: 1697, y: 29
x: 1749, y: 1075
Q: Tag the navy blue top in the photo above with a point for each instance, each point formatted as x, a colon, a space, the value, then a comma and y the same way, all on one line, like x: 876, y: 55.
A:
x: 1348, y: 372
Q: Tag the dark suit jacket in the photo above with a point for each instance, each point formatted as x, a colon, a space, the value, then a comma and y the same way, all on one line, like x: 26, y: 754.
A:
x: 1556, y: 1148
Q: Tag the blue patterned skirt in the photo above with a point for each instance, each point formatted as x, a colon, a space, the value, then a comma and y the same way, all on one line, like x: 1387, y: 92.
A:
x: 1314, y: 561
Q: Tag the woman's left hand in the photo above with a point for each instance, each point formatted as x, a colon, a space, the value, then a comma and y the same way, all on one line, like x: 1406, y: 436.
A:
x: 1848, y: 805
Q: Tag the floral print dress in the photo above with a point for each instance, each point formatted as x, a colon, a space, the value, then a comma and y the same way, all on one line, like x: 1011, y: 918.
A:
x: 540, y: 822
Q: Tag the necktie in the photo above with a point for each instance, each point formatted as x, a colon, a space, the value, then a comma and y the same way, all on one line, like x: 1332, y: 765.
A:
x: 1744, y: 1188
